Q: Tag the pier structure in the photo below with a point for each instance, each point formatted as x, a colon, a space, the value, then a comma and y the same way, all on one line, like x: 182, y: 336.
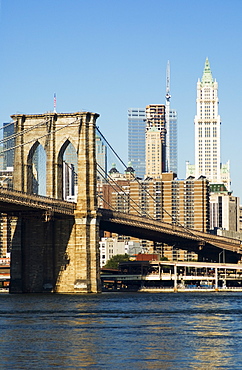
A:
x: 164, y: 276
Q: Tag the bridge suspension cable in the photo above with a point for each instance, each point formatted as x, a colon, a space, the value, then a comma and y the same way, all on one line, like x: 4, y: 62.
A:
x: 36, y: 139
x: 135, y: 178
x: 11, y: 137
x: 140, y: 211
x: 123, y: 194
x: 143, y: 187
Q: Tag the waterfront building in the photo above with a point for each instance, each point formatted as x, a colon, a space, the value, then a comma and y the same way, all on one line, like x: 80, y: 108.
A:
x: 178, y: 276
x: 136, y: 140
x: 155, y: 140
x: 110, y: 247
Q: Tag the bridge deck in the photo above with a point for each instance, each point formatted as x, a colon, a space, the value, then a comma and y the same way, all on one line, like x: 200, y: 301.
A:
x: 150, y: 229
x: 121, y: 223
x: 16, y: 201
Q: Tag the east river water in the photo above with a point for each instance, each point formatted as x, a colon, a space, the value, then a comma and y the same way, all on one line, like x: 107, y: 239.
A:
x: 121, y: 331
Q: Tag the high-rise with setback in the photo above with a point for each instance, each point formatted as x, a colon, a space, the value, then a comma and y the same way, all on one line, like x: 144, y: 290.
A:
x: 207, y: 132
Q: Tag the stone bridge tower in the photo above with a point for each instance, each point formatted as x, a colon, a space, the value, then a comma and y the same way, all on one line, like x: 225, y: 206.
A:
x: 58, y: 254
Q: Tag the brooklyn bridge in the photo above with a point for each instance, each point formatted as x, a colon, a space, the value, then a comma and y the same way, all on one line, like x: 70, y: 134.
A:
x: 55, y: 243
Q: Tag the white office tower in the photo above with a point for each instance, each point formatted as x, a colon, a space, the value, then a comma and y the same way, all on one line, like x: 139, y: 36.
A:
x: 207, y: 128
x: 171, y: 129
x: 207, y: 132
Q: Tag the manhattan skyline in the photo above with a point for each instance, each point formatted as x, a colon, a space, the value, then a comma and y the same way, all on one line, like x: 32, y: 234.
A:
x: 105, y: 57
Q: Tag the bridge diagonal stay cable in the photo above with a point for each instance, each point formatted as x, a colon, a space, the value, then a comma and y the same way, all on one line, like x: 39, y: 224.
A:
x: 109, y: 205
x: 9, y: 124
x: 135, y: 178
x: 11, y: 137
x: 146, y: 191
x: 122, y: 190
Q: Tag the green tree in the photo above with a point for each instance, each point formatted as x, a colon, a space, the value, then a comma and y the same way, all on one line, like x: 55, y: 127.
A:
x: 114, y: 261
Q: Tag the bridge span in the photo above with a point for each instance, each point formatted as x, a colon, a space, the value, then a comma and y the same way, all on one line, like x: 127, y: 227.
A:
x: 55, y: 244
x: 16, y: 202
x: 206, y: 245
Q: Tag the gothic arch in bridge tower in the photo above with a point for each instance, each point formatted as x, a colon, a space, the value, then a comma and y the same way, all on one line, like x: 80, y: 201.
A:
x: 67, y: 170
x: 36, y: 170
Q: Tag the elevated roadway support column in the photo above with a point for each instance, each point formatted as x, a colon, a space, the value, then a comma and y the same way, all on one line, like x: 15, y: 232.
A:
x: 216, y: 278
x: 175, y: 278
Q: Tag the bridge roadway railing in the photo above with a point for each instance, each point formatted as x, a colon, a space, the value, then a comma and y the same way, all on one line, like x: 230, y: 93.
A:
x: 17, y: 199
x: 164, y: 228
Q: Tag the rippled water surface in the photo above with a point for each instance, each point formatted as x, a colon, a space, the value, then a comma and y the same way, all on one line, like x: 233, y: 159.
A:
x: 121, y: 331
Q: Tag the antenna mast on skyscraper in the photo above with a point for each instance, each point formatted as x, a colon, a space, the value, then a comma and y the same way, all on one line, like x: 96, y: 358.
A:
x: 168, y: 96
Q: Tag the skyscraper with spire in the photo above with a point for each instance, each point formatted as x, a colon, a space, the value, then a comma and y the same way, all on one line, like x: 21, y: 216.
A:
x: 207, y: 127
x: 207, y: 132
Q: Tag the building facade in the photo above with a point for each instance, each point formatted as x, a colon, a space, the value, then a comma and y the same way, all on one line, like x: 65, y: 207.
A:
x: 155, y: 140
x: 154, y: 157
x: 183, y: 202
x: 8, y: 143
x: 207, y: 128
x: 207, y: 133
x: 171, y: 141
x: 224, y: 209
x: 101, y: 157
x: 136, y: 140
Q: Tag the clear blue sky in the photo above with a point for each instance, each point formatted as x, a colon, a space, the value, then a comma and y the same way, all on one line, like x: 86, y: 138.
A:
x: 106, y: 56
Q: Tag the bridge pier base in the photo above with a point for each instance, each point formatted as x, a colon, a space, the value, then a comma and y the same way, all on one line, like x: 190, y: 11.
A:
x: 59, y: 255
x: 81, y: 272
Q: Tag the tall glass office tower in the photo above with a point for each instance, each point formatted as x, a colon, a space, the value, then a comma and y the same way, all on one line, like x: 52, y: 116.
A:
x: 101, y: 157
x: 8, y: 159
x: 136, y: 140
x: 171, y: 143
